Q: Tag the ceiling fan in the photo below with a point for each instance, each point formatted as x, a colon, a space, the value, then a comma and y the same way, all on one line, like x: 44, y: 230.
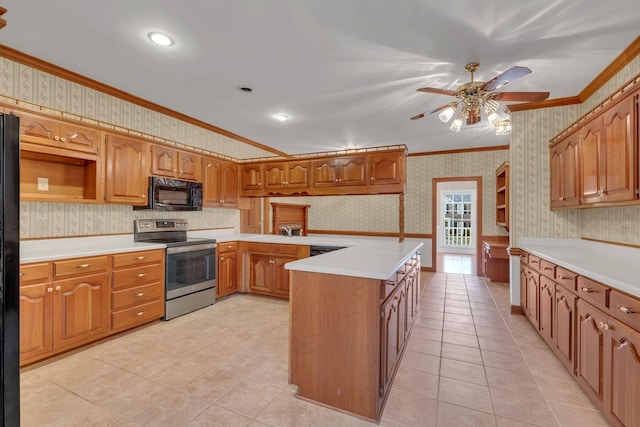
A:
x: 475, y: 96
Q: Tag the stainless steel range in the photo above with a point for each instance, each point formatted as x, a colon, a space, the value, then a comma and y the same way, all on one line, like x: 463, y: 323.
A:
x: 190, y: 264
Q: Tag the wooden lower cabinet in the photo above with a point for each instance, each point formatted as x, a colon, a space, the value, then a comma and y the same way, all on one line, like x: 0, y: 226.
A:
x: 227, y: 273
x: 546, y: 300
x: 530, y: 294
x: 348, y: 335
x: 80, y: 310
x: 623, y: 372
x: 266, y: 274
x: 564, y: 314
x: 36, y: 327
x: 591, y: 348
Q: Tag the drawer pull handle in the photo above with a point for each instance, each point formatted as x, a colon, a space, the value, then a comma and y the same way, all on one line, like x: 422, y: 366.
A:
x: 626, y: 310
x: 140, y: 258
x: 85, y: 265
x: 586, y: 319
x: 547, y: 268
x: 588, y: 290
x: 141, y: 275
x: 140, y: 313
x: 623, y: 343
x: 561, y: 277
x: 139, y: 294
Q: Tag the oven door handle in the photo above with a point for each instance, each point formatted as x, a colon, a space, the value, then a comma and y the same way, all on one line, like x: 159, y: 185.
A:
x: 190, y: 248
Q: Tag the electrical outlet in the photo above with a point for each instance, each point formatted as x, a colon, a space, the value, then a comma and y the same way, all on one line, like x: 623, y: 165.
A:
x: 43, y: 184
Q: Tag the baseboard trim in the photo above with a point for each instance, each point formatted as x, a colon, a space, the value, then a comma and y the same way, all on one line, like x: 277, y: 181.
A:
x: 516, y: 309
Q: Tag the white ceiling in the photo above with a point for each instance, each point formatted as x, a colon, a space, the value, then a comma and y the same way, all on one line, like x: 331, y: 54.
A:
x: 345, y: 71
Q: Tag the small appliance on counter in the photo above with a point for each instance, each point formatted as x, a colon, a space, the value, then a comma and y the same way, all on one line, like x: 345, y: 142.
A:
x: 290, y: 229
x: 190, y: 264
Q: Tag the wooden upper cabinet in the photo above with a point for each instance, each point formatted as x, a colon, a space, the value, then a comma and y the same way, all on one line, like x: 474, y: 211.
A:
x: 172, y: 163
x: 324, y: 173
x: 609, y: 155
x: 220, y: 183
x: 126, y: 177
x: 387, y: 171
x: 287, y: 176
x: 40, y: 129
x: 251, y: 179
x: 333, y: 173
x: 352, y: 171
x: 564, y: 173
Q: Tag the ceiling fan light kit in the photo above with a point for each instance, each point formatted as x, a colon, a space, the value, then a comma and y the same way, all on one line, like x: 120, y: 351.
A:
x: 476, y: 96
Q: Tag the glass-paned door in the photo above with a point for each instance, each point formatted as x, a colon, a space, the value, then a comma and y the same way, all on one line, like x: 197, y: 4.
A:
x: 457, y: 219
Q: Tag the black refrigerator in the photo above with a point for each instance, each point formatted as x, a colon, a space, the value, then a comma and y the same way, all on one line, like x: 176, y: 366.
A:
x: 9, y: 268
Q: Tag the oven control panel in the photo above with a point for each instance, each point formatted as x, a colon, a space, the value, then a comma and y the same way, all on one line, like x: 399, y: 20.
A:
x: 152, y: 225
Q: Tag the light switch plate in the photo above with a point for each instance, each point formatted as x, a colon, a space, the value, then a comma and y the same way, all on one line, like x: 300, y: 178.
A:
x: 43, y: 184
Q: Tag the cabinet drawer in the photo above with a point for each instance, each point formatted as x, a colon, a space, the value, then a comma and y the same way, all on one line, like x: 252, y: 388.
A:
x: 594, y: 292
x: 227, y: 247
x: 79, y: 266
x: 138, y: 295
x: 137, y: 258
x: 137, y: 315
x: 259, y: 247
x: 625, y: 308
x: 285, y: 249
x: 566, y: 278
x: 548, y: 268
x: 34, y: 272
x: 137, y: 276
x: 534, y: 262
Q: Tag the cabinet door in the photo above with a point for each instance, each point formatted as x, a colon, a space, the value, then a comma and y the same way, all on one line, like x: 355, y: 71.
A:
x: 386, y: 169
x: 623, y: 369
x: 402, y: 315
x: 260, y: 273
x: 388, y: 342
x: 81, y: 309
x: 251, y: 178
x: 555, y: 176
x: 523, y: 290
x: 211, y: 183
x: 281, y: 276
x: 229, y: 185
x: 164, y: 161
x: 590, y: 161
x: 353, y: 171
x: 126, y: 171
x: 590, y: 349
x: 189, y: 166
x: 37, y: 129
x: 620, y: 153
x: 547, y: 301
x: 324, y: 173
x: 78, y: 138
x: 298, y: 174
x: 36, y: 311
x: 274, y: 176
x: 533, y: 295
x: 226, y: 281
x: 570, y: 187
x: 564, y: 327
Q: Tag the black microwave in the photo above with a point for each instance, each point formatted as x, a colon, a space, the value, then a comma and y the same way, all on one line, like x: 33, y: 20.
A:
x: 166, y: 194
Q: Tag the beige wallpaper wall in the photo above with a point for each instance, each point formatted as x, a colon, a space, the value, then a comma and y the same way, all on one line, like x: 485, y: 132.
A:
x: 529, y: 158
x: 380, y: 213
x: 67, y: 219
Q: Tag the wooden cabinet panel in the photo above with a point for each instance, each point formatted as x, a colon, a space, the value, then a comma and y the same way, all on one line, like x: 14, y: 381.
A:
x: 266, y: 272
x: 353, y: 171
x: 564, y: 173
x: 39, y: 272
x: 274, y: 176
x: 324, y: 173
x: 137, y: 315
x: 188, y: 166
x: 229, y: 185
x: 623, y: 371
x: 126, y: 172
x: 281, y: 276
x: 220, y: 184
x: 137, y: 258
x: 566, y: 278
x: 625, y: 308
x: 251, y: 179
x: 80, y: 266
x: 389, y: 341
x: 41, y: 129
x: 564, y: 312
x: 533, y: 293
x: 591, y: 162
x: 36, y: 328
x: 298, y: 174
x: 594, y: 292
x: 387, y: 172
x: 79, y: 138
x: 130, y: 297
x: 547, y: 303
x: 548, y: 269
x: 260, y: 273
x: 126, y: 277
x: 172, y: 163
x: 81, y: 310
x: 227, y: 278
x: 591, y: 346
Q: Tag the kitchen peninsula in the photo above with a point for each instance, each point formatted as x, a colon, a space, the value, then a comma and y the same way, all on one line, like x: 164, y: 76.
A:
x: 351, y: 312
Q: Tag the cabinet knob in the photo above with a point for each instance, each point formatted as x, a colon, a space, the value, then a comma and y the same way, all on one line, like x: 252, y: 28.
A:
x: 181, y: 171
x: 144, y: 196
x: 63, y: 139
x: 371, y: 178
x: 49, y: 289
x: 221, y: 258
x: 22, y: 274
x: 57, y: 138
x: 58, y: 287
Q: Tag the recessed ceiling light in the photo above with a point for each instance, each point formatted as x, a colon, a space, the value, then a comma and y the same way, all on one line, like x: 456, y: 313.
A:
x: 160, y: 39
x: 281, y: 117
x: 246, y: 89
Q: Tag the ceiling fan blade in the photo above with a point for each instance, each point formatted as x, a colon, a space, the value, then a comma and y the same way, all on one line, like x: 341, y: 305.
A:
x: 512, y: 74
x: 472, y: 117
x: 426, y: 113
x: 521, y: 96
x: 438, y: 91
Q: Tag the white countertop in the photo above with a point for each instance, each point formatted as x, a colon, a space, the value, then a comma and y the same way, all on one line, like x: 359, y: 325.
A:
x: 364, y: 256
x: 612, y: 265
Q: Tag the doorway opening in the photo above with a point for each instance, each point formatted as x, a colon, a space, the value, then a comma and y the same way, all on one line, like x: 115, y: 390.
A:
x: 457, y: 224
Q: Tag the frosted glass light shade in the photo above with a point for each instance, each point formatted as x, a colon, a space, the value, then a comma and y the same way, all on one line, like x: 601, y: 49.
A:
x: 456, y: 125
x: 493, y: 119
x: 447, y: 113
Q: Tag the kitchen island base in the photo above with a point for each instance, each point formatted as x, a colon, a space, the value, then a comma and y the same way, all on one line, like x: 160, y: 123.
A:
x: 348, y: 335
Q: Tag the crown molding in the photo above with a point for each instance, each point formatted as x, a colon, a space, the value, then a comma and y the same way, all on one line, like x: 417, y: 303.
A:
x: 461, y: 150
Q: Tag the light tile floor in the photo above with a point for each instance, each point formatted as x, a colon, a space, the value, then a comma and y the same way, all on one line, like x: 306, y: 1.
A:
x: 456, y: 263
x: 468, y: 363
